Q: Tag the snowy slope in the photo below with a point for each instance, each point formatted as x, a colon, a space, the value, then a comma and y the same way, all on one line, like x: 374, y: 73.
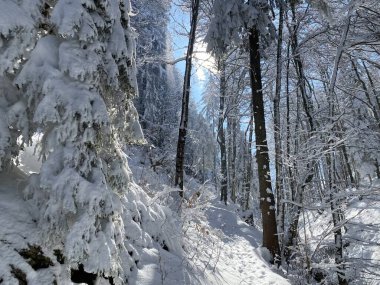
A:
x: 361, y: 236
x: 240, y: 260
x: 219, y: 247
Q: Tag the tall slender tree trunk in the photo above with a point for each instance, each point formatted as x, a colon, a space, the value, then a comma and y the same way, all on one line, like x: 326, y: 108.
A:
x: 234, y: 184
x: 215, y: 155
x: 373, y: 88
x: 306, y: 100
x: 221, y: 135
x: 180, y: 158
x: 377, y: 166
x: 337, y: 214
x: 297, y: 192
x: 367, y: 94
x: 337, y: 219
x: 232, y: 126
x: 267, y: 202
x: 290, y: 182
x: 376, y: 97
x: 277, y: 126
x: 248, y: 164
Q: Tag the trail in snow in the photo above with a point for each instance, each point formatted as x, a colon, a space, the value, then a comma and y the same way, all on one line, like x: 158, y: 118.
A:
x: 220, y: 248
x: 240, y: 261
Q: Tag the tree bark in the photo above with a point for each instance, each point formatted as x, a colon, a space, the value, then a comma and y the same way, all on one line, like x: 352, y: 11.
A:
x: 367, y: 94
x: 277, y: 126
x: 337, y: 219
x: 185, y: 101
x: 221, y: 135
x: 377, y: 166
x: 291, y: 238
x: 248, y: 164
x: 306, y: 101
x: 337, y: 214
x: 267, y: 202
x: 232, y: 129
x: 372, y: 86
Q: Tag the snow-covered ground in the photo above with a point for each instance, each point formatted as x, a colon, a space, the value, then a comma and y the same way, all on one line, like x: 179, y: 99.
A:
x: 241, y: 258
x: 219, y: 247
x: 361, y: 235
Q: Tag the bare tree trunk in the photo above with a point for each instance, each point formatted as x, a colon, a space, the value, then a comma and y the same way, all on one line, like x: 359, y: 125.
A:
x: 377, y: 168
x: 248, y: 167
x: 296, y: 190
x: 336, y: 211
x: 367, y: 94
x: 221, y: 135
x: 337, y: 219
x: 215, y: 155
x: 232, y: 126
x: 203, y: 166
x: 185, y: 101
x: 372, y: 86
x: 291, y: 182
x: 234, y: 184
x: 267, y: 202
x: 347, y: 163
x: 277, y: 126
x: 306, y: 100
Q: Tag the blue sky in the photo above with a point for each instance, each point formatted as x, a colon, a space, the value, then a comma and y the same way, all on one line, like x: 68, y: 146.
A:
x: 179, y: 21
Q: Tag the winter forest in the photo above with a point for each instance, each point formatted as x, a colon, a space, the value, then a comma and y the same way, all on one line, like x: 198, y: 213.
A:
x: 195, y: 142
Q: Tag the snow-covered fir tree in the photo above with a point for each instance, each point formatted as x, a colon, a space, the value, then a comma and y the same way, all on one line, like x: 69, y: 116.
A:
x: 76, y: 86
x: 18, y: 34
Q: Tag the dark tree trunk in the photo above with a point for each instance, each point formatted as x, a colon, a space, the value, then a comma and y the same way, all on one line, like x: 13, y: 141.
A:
x: 248, y: 164
x: 221, y: 135
x: 267, y: 202
x: 232, y: 128
x: 367, y: 94
x: 185, y: 101
x: 377, y: 168
x: 373, y: 88
x: 277, y: 126
x: 336, y: 211
x: 290, y: 182
x: 337, y: 216
x: 306, y: 100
